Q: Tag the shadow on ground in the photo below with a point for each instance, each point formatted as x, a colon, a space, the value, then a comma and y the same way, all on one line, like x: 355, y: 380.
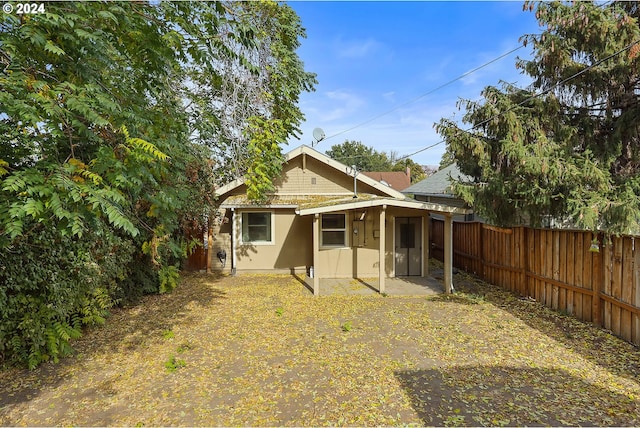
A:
x: 499, y: 396
x: 592, y: 342
x: 126, y: 329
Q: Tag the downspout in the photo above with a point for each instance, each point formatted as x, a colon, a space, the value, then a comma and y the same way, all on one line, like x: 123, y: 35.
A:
x: 233, y: 241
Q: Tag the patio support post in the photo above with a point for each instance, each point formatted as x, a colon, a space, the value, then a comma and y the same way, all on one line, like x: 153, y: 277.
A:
x: 316, y: 253
x: 381, y: 266
x: 426, y: 246
x: 448, y: 253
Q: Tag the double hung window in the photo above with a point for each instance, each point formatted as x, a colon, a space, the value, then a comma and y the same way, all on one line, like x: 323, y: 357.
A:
x: 333, y: 230
x: 257, y: 227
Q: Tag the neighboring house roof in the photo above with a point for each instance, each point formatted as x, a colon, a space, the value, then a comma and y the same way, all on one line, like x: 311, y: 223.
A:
x: 308, y: 151
x: 438, y: 184
x: 398, y: 180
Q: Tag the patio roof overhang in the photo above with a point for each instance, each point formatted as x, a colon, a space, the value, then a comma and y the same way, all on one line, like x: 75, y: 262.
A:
x: 384, y: 202
x: 357, y: 203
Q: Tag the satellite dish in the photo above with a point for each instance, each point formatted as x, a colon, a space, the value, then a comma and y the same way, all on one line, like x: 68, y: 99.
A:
x: 318, y: 134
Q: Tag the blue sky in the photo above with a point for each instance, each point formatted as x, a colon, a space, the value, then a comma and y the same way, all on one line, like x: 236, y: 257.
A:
x: 372, y: 57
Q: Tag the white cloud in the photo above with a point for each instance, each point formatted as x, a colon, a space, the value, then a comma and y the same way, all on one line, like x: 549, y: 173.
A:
x: 356, y: 48
x: 404, y: 131
x: 337, y: 105
x: 389, y: 96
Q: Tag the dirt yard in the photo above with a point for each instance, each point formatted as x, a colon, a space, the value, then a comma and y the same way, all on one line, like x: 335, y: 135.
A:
x: 262, y: 351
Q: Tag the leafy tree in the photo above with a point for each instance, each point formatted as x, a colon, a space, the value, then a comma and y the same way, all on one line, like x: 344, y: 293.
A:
x: 258, y: 95
x: 103, y: 139
x: 417, y: 172
x: 363, y: 157
x: 568, y: 147
x: 447, y: 159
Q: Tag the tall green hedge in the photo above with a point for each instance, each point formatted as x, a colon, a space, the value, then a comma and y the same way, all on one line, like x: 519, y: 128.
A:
x: 53, y: 286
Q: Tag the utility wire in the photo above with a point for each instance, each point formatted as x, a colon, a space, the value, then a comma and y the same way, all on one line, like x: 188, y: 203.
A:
x: 562, y: 82
x: 462, y: 76
x: 603, y: 5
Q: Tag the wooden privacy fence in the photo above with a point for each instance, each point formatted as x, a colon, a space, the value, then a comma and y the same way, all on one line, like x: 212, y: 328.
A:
x: 556, y: 268
x: 197, y: 259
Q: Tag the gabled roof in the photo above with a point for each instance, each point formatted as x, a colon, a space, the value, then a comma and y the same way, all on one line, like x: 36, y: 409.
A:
x: 308, y: 151
x: 397, y: 180
x: 438, y: 184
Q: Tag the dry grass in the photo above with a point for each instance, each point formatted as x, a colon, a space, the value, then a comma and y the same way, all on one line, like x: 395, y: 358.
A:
x: 261, y: 351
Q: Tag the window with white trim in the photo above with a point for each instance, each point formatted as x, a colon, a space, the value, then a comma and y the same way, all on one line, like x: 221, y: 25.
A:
x: 333, y: 229
x: 257, y: 227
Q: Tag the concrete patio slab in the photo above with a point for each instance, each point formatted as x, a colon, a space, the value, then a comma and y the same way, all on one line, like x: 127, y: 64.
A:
x: 399, y: 286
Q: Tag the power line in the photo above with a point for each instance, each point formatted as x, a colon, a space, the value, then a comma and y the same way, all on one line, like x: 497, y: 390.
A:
x: 462, y: 76
x: 562, y: 82
x: 603, y: 5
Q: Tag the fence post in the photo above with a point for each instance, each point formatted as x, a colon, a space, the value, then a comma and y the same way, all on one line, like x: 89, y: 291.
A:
x: 448, y: 253
x: 597, y: 284
x: 481, y: 240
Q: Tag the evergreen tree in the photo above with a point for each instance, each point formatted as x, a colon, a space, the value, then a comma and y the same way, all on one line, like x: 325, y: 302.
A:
x: 568, y: 146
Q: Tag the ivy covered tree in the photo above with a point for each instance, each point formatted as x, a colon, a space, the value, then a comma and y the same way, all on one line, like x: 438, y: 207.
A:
x: 105, y: 155
x: 254, y: 106
x: 568, y: 147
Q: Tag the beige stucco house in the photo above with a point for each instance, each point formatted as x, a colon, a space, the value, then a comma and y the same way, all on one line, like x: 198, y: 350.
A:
x: 324, y: 222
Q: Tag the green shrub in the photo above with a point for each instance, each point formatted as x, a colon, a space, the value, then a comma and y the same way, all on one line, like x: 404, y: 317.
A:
x: 168, y: 278
x: 53, y: 286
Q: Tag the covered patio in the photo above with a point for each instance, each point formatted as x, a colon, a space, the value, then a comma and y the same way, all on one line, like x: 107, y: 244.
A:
x: 397, y: 286
x: 386, y: 211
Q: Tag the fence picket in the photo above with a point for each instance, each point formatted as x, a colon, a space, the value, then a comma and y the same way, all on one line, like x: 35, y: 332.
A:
x: 608, y: 274
x: 626, y: 287
x: 579, y: 261
x: 539, y: 238
x: 549, y: 267
x: 592, y: 308
x: 530, y: 262
x: 562, y: 271
x: 636, y: 294
x: 570, y: 272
